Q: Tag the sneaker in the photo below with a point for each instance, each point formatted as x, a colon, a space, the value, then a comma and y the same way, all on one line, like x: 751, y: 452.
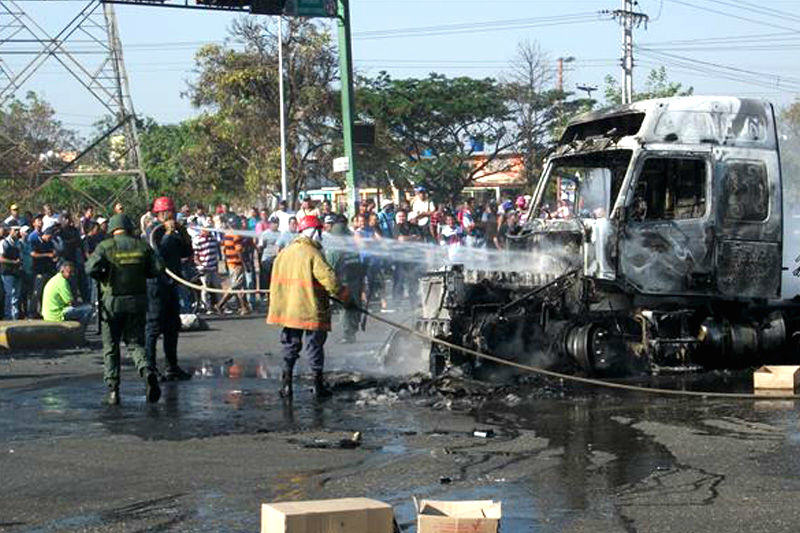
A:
x: 112, y: 397
x: 152, y: 390
x: 176, y: 373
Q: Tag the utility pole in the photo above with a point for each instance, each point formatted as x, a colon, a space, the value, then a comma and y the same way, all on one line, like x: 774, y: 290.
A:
x: 560, y: 71
x: 629, y: 19
x: 284, y: 183
x: 346, y: 74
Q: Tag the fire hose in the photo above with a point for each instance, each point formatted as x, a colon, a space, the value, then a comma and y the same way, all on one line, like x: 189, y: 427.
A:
x: 527, y: 368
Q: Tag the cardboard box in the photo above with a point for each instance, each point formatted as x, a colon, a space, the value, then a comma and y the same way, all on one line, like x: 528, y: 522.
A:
x: 348, y: 515
x: 772, y: 377
x: 480, y: 516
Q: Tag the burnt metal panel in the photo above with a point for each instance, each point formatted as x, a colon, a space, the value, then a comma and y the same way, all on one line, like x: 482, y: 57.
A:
x: 748, y: 269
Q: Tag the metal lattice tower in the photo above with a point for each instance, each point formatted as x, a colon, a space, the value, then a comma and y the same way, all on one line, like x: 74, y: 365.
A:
x: 91, y: 33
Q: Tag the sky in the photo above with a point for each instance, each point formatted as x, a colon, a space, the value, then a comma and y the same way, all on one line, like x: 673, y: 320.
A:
x: 731, y: 47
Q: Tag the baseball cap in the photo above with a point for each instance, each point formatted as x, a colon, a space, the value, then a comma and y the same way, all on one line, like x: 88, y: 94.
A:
x: 14, y: 207
x: 101, y: 220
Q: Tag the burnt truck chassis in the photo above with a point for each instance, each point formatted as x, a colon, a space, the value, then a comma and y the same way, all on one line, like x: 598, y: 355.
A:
x: 667, y: 251
x: 575, y: 324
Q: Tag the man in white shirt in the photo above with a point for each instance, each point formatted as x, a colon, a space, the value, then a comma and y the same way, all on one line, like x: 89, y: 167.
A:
x: 49, y: 219
x: 283, y: 215
x: 421, y: 207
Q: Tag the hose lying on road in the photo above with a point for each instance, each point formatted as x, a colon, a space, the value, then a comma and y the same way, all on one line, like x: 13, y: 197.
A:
x: 534, y: 369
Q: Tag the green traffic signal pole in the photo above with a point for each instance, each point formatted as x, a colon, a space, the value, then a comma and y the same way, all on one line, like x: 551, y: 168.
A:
x: 346, y: 74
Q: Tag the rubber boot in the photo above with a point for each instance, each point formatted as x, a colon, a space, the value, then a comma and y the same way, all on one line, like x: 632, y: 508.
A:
x: 152, y: 390
x: 112, y: 397
x: 286, y: 384
x: 321, y: 390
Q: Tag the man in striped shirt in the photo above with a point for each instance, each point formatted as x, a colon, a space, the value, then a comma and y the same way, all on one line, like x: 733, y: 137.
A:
x: 206, y: 257
x: 233, y: 247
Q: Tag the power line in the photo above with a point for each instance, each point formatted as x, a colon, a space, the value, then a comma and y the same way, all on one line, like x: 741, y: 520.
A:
x: 731, y: 15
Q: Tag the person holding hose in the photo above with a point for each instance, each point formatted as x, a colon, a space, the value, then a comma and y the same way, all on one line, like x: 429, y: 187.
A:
x: 172, y: 245
x: 301, y: 283
x: 122, y: 265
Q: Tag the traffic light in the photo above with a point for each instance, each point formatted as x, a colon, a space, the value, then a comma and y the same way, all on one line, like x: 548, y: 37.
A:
x: 267, y: 7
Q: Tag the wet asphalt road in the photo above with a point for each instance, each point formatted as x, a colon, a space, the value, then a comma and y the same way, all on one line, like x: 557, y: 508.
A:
x: 214, y: 448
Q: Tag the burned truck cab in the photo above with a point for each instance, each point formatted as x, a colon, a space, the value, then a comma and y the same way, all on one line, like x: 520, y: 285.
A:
x: 663, y: 225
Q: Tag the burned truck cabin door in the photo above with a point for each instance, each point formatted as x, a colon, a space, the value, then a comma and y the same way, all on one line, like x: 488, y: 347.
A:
x: 749, y: 229
x: 666, y: 240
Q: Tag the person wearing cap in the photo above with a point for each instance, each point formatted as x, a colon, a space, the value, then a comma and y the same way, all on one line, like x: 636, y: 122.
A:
x: 386, y: 218
x: 123, y: 264
x: 206, y: 258
x: 172, y: 245
x: 13, y: 218
x: 302, y: 281
x: 11, y: 273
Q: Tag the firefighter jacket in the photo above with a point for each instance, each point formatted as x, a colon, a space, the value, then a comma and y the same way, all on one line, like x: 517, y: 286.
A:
x: 122, y: 265
x: 301, y: 281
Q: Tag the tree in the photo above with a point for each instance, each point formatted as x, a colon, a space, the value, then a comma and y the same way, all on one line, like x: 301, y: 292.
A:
x: 436, y: 126
x: 31, y: 141
x: 540, y: 111
x: 657, y: 85
x: 238, y: 89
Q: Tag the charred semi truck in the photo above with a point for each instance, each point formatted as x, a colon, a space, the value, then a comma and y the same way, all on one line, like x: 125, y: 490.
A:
x: 658, y: 237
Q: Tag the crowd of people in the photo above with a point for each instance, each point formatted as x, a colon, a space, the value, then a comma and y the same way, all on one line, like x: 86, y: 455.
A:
x: 58, y: 267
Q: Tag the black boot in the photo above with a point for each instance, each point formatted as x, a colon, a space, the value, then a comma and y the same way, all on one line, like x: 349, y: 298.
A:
x: 152, y: 391
x: 176, y: 373
x: 286, y: 384
x: 321, y: 390
x: 112, y: 397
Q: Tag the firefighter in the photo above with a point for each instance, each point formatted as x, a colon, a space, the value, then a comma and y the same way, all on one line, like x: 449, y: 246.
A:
x: 351, y: 270
x: 301, y: 281
x: 122, y: 264
x: 172, y: 245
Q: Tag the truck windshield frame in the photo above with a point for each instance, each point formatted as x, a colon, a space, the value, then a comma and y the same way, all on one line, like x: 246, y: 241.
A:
x: 589, y: 185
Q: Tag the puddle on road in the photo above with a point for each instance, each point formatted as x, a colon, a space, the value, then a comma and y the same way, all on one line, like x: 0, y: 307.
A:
x: 596, y: 452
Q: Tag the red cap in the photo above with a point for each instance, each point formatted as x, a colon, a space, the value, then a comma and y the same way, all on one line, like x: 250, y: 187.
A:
x: 309, y: 221
x: 163, y: 203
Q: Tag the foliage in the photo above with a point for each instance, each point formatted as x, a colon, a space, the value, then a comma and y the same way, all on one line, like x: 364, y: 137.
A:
x: 657, y: 85
x: 434, y: 126
x: 31, y: 140
x: 540, y: 111
x: 238, y: 137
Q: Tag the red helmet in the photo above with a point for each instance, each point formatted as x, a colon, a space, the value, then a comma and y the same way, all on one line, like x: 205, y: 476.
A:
x: 309, y: 221
x: 163, y: 203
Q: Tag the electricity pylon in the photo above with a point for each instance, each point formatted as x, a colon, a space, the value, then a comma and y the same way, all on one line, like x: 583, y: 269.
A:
x: 91, y: 33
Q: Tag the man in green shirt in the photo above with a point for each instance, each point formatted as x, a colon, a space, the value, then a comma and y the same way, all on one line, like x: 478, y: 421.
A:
x: 57, y: 301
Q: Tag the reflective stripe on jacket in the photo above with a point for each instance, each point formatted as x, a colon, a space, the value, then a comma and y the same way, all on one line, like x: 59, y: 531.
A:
x: 301, y: 281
